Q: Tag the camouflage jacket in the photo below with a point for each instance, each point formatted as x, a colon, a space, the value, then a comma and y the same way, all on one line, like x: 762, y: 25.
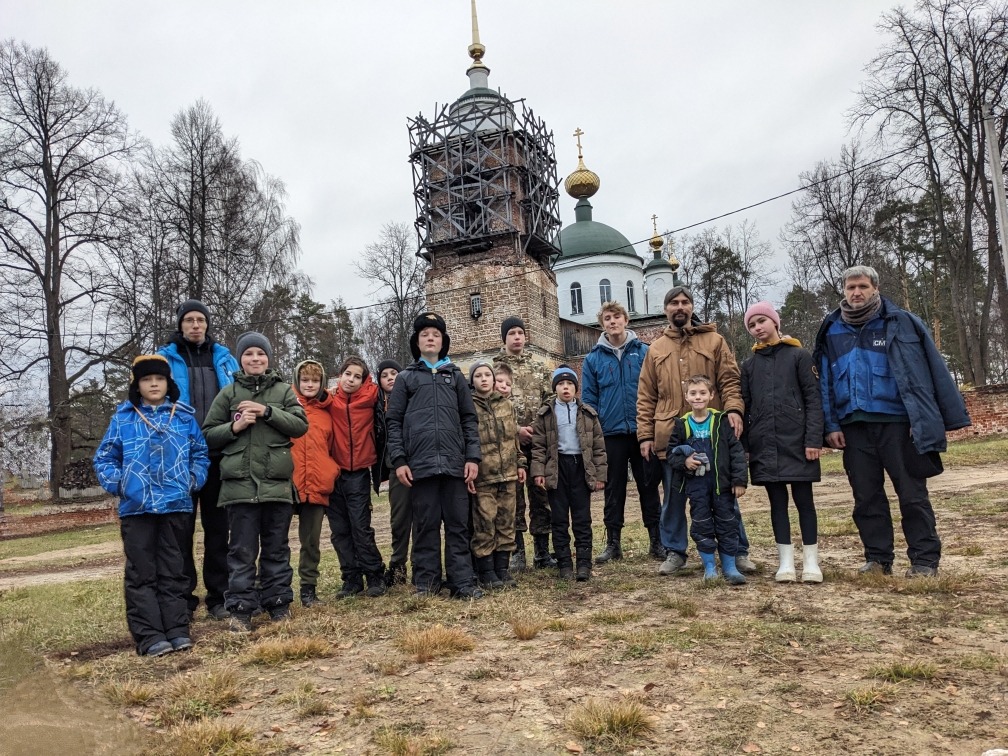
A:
x: 531, y: 384
x: 498, y: 433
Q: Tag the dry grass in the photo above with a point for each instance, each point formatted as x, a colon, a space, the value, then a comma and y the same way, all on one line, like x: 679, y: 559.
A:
x: 867, y: 698
x: 410, y: 740
x: 526, y: 626
x: 276, y: 651
x: 129, y: 692
x: 428, y: 643
x: 611, y: 725
x: 899, y: 671
x: 683, y: 606
x: 211, y: 737
x: 614, y: 617
x: 307, y: 701
x: 191, y: 697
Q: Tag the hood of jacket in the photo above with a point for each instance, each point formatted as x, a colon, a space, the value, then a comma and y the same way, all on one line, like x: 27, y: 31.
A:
x: 603, y: 342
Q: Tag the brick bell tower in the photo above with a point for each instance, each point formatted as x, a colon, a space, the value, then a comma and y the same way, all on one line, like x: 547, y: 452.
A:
x: 485, y: 185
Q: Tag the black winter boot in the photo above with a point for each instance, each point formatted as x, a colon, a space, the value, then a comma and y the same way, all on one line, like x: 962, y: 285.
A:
x: 542, y: 558
x: 376, y: 585
x: 584, y: 564
x: 613, y: 551
x: 395, y: 574
x: 518, y: 563
x: 657, y: 550
x: 486, y: 575
x: 500, y: 561
x: 308, y: 597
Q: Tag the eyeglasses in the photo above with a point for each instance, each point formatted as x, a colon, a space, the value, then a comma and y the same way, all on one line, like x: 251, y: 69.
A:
x: 194, y: 321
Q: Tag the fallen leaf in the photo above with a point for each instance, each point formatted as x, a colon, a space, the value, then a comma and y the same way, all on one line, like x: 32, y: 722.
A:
x: 795, y: 748
x: 937, y: 640
x: 574, y: 747
x: 649, y: 687
x: 761, y: 725
x: 838, y: 705
x: 751, y: 748
x: 794, y: 644
x: 723, y: 703
x: 952, y: 690
x: 277, y: 728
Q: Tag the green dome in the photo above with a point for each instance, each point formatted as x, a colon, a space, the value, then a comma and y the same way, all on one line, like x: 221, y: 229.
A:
x: 658, y: 263
x: 586, y: 237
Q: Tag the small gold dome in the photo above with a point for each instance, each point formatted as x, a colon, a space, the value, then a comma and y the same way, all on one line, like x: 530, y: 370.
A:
x: 582, y: 183
x: 656, y: 242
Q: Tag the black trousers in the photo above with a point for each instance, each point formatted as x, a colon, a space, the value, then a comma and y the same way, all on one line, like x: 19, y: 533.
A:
x: 353, y: 537
x: 436, y: 500
x: 215, y: 542
x: 154, y: 583
x: 623, y: 449
x: 259, y: 534
x: 538, y: 503
x: 570, y: 509
x: 872, y: 448
x: 808, y: 523
x: 400, y: 520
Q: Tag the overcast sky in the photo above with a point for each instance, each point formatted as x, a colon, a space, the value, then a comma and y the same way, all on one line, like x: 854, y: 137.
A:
x: 689, y: 109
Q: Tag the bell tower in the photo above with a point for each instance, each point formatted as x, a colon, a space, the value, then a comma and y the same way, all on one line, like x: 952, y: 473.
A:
x: 485, y: 185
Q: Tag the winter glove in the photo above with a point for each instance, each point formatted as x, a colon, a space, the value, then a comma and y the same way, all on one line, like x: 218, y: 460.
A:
x: 705, y: 467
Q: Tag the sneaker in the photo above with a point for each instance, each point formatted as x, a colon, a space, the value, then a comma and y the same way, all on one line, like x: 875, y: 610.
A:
x: 746, y: 565
x: 921, y: 570
x: 673, y: 563
x: 181, y: 644
x: 240, y: 623
x: 870, y: 567
x: 280, y: 613
x: 159, y: 649
x: 217, y: 612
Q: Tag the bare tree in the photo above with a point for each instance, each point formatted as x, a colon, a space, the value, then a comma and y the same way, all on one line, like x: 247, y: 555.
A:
x: 61, y: 183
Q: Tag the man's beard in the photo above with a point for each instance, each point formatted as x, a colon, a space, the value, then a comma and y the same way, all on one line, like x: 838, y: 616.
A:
x: 680, y: 319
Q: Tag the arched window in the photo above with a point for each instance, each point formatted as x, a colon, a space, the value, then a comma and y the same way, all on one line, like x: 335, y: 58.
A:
x: 605, y: 290
x: 577, y: 306
x: 630, y: 297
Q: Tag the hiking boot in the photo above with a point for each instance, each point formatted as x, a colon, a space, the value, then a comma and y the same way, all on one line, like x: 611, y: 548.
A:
x: 396, y: 573
x: 280, y: 613
x: 729, y: 569
x: 870, y: 568
x: 308, y: 596
x: 566, y: 571
x: 467, y: 592
x: 240, y: 623
x: 744, y: 564
x: 376, y: 585
x: 217, y: 612
x: 518, y: 563
x: 181, y: 644
x: 159, y: 649
x: 921, y: 570
x: 657, y: 550
x: 542, y: 558
x: 486, y: 575
x: 583, y: 570
x: 350, y: 589
x: 500, y: 561
x: 673, y: 563
x: 613, y: 550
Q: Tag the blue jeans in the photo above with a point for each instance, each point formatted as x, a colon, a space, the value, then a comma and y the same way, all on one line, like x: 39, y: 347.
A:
x: 672, y: 526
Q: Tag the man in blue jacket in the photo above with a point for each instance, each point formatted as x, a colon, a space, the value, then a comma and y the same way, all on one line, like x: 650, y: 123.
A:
x: 200, y: 368
x: 888, y: 398
x: 609, y: 377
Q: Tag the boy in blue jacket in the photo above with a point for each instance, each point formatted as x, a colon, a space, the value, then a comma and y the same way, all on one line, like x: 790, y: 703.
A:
x: 153, y: 457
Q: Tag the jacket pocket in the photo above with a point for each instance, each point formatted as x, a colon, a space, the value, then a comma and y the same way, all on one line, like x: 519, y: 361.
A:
x: 841, y: 384
x: 883, y: 384
x: 232, y: 465
x: 279, y: 461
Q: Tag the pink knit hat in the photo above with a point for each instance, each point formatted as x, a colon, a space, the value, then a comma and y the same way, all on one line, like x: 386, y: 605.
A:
x: 762, y: 308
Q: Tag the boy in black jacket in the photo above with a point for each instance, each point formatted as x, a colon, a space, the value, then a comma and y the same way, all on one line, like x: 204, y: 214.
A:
x: 708, y: 465
x: 433, y: 442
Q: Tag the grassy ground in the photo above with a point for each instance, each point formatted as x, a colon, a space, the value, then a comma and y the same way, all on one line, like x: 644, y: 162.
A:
x: 628, y: 662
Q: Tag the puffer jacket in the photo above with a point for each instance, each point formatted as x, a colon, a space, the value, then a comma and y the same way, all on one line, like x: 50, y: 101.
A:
x: 380, y: 469
x: 225, y: 365
x: 353, y: 423
x: 152, y: 458
x: 783, y: 415
x: 609, y: 382
x: 498, y: 433
x: 729, y: 464
x: 674, y: 357
x: 854, y: 375
x: 256, y: 465
x: 315, y: 470
x: 530, y: 385
x: 545, y: 442
x: 431, y: 420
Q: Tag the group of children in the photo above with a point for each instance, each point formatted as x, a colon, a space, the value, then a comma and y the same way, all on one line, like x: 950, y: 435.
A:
x: 449, y: 448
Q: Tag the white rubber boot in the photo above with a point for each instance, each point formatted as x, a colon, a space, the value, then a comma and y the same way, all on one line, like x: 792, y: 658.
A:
x: 810, y: 564
x: 786, y: 573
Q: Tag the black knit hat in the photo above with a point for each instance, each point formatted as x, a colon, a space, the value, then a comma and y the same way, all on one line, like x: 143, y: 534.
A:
x: 191, y: 305
x: 251, y: 339
x: 564, y: 373
x: 511, y: 322
x: 429, y: 320
x: 150, y: 364
x: 385, y: 364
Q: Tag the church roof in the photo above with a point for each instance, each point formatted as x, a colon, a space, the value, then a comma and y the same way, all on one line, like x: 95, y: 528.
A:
x: 586, y: 237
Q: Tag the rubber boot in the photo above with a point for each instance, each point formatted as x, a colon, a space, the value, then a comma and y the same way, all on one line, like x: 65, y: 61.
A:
x: 518, y: 563
x: 731, y: 573
x: 613, y: 551
x: 657, y: 550
x: 542, y: 558
x: 810, y: 564
x: 500, y: 561
x: 485, y: 574
x: 709, y: 566
x: 786, y: 572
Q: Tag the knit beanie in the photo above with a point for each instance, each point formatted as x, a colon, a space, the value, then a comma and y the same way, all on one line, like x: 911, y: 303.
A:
x: 479, y: 364
x: 512, y: 322
x: 191, y: 305
x: 150, y: 364
x: 429, y: 320
x: 385, y: 364
x: 564, y: 373
x: 251, y: 339
x: 675, y: 291
x: 761, y: 308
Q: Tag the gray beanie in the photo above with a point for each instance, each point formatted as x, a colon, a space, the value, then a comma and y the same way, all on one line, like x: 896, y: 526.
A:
x: 479, y: 364
x: 253, y: 339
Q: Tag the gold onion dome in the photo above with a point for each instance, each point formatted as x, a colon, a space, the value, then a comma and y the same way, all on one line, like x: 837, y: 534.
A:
x: 582, y: 183
x: 656, y: 242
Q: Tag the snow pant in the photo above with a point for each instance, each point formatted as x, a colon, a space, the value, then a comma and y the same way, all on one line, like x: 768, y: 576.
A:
x: 673, y: 520
x: 259, y: 535
x: 154, y: 582
x: 436, y: 500
x: 310, y: 518
x: 538, y: 503
x: 493, y: 519
x: 713, y: 526
x: 353, y: 538
x: 872, y: 448
x: 801, y: 492
x: 215, y: 542
x: 570, y: 509
x: 400, y: 520
x: 623, y: 449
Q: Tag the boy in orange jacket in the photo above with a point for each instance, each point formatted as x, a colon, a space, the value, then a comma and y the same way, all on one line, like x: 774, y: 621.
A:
x: 315, y: 470
x: 352, y: 412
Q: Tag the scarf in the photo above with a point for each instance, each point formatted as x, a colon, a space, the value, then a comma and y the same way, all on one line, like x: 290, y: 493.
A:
x: 861, y: 315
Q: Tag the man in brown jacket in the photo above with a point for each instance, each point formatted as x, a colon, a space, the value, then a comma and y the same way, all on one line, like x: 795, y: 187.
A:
x: 686, y: 348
